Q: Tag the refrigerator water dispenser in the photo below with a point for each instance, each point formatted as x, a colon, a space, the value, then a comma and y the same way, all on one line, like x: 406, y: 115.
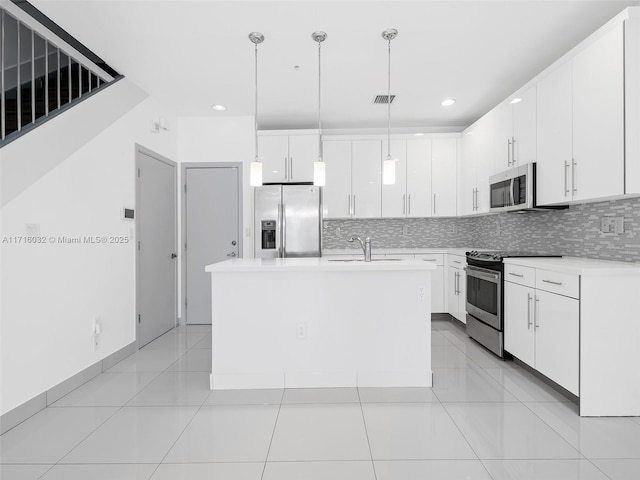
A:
x: 268, y: 234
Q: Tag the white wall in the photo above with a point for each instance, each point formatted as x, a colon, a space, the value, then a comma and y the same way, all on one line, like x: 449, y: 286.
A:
x: 51, y: 292
x: 225, y: 139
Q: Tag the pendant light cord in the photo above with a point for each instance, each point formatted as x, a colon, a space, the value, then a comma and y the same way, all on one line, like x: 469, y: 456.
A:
x: 255, y: 119
x: 320, y: 156
x: 389, y: 105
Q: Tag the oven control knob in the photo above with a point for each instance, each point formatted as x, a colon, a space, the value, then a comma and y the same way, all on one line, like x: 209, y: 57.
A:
x: 495, y: 256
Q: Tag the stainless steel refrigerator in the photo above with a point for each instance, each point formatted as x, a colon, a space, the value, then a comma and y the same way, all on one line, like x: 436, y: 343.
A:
x: 288, y: 221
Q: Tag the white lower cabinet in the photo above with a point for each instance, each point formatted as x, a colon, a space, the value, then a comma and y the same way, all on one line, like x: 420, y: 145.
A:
x: 457, y: 288
x: 542, y: 329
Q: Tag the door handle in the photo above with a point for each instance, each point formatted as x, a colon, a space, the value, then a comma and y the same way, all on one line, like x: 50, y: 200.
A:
x: 566, y: 187
x: 232, y: 254
x: 513, y: 152
x: 529, y: 311
x: 173, y: 255
x: 508, y: 152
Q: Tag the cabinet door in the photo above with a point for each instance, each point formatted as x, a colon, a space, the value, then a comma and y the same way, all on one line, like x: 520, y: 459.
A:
x: 519, y: 337
x: 524, y: 128
x: 467, y: 173
x: 366, y: 178
x: 444, y: 163
x: 437, y: 290
x: 336, y: 195
x: 274, y: 155
x: 452, y: 291
x: 394, y: 197
x: 557, y: 338
x: 303, y: 151
x: 462, y: 297
x: 503, y: 136
x: 484, y: 161
x: 598, y: 118
x: 554, y: 126
x: 419, y: 179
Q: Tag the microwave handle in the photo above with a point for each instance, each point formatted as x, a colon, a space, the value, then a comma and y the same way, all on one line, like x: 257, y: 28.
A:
x: 511, y: 194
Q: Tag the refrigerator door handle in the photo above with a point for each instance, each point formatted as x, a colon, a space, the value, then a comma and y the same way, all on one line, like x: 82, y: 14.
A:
x: 279, y: 230
x: 283, y: 222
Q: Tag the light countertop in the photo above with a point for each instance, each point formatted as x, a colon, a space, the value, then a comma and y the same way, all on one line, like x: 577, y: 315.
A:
x: 578, y: 266
x: 399, y: 251
x: 315, y: 264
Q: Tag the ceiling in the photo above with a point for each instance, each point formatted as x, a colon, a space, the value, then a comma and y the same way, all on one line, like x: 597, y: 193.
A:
x: 192, y: 54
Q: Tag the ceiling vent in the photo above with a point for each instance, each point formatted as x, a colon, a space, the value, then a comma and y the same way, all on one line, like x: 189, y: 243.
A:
x: 384, y: 99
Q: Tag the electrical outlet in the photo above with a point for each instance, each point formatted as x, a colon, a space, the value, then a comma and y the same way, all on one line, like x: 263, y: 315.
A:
x: 612, y: 225
x: 405, y: 230
x: 422, y: 291
x: 301, y: 330
x: 337, y: 231
x: 453, y: 229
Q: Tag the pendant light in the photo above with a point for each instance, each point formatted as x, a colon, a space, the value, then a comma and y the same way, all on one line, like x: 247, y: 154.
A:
x: 389, y: 165
x: 319, y: 171
x: 255, y: 171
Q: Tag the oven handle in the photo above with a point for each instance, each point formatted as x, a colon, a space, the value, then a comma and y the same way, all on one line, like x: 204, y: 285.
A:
x: 483, y: 274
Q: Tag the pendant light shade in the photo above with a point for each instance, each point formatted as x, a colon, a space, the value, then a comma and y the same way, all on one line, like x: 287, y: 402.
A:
x: 389, y: 165
x: 319, y: 170
x: 255, y: 170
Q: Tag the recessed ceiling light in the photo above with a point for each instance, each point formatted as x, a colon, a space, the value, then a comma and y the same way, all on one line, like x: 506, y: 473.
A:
x: 447, y: 102
x: 516, y: 100
x: 418, y: 134
x: 218, y: 107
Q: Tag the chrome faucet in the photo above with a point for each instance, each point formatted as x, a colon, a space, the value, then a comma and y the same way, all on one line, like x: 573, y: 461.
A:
x: 366, y: 246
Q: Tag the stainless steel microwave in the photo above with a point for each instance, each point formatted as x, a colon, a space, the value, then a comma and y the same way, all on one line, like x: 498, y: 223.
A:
x: 514, y: 189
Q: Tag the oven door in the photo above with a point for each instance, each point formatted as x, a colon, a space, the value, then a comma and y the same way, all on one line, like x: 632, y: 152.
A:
x: 484, y: 295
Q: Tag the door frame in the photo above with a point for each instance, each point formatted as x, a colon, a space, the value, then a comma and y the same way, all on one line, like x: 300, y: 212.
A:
x: 139, y: 149
x: 183, y: 227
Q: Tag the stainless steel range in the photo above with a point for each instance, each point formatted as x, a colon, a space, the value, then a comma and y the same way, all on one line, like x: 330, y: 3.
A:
x: 485, y: 302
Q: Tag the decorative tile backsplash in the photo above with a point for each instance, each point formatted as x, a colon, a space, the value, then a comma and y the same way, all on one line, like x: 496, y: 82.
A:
x: 573, y: 232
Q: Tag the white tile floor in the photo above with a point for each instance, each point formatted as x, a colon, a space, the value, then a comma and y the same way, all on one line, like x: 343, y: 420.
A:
x: 153, y: 417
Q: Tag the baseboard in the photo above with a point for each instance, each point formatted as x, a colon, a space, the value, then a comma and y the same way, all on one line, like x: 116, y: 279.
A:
x: 29, y: 408
x: 21, y: 413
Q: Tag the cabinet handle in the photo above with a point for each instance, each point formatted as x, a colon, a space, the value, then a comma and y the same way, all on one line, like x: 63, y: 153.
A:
x: 349, y: 198
x: 573, y: 175
x: 456, y: 261
x: 566, y: 187
x: 529, y: 311
x: 513, y: 152
x: 354, y: 204
x: 508, y: 152
x: 404, y: 204
x: 286, y: 168
x: 552, y: 282
x: 536, y: 324
x: 516, y: 274
x: 409, y: 207
x: 434, y: 203
x: 457, y: 284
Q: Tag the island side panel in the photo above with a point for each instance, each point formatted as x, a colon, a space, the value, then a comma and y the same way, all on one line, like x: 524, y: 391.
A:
x: 321, y: 329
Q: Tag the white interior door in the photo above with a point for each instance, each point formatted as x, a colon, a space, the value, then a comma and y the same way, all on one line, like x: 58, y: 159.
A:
x: 212, y: 232
x: 156, y: 234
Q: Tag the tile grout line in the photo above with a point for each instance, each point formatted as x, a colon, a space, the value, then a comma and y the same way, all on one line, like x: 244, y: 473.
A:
x: 273, y: 434
x: 366, y: 432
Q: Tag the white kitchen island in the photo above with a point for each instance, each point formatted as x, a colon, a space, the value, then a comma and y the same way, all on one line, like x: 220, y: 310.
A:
x: 314, y: 322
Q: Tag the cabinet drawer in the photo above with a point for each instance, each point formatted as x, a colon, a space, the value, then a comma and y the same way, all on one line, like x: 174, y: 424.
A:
x: 561, y: 283
x: 521, y: 275
x: 435, y: 258
x: 457, y: 261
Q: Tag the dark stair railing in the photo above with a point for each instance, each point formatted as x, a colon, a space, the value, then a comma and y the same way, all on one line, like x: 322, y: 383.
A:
x: 39, y: 79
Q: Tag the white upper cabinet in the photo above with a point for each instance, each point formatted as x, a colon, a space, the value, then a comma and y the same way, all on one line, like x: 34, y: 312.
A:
x: 274, y: 155
x: 477, y: 165
x: 287, y: 158
x: 444, y: 163
x: 336, y: 195
x: 598, y: 118
x: 419, y: 172
x: 581, y: 124
x: 515, y: 131
x: 366, y: 178
x: 554, y: 137
x: 394, y: 196
x: 303, y: 152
